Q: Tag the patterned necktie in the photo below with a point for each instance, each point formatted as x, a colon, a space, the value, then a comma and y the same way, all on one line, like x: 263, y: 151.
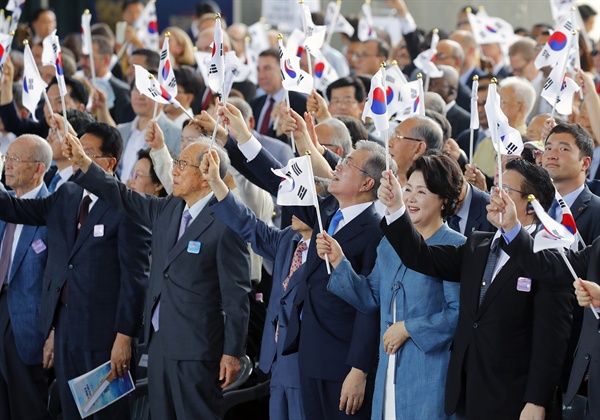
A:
x: 6, y: 254
x: 296, y: 262
x: 335, y: 221
x: 185, y: 221
x: 84, y: 211
x: 489, y: 268
x: 55, y: 180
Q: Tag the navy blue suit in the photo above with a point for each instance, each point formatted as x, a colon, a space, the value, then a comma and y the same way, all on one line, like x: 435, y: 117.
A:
x: 106, y: 269
x: 278, y: 246
x: 477, y: 219
x: 333, y: 336
x: 23, y: 390
x: 297, y: 103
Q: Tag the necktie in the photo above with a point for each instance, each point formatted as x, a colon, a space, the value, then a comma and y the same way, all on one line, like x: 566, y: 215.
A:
x: 489, y: 268
x: 553, y: 212
x: 454, y: 223
x: 84, y: 210
x: 6, y: 254
x: 264, y: 126
x: 55, y: 180
x: 296, y: 262
x: 185, y: 221
x: 335, y: 221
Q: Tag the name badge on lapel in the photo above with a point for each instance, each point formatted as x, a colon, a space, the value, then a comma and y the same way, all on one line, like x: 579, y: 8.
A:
x: 98, y: 231
x: 524, y: 284
x: 194, y: 247
x: 38, y: 246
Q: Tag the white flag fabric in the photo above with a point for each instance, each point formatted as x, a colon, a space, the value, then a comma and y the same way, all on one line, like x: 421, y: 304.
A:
x: 216, y: 71
x: 324, y: 73
x: 554, y: 235
x: 148, y: 86
x: 376, y: 105
x: 474, y: 124
x: 560, y: 89
x: 394, y: 79
x: 297, y: 187
x: 366, y: 30
x: 292, y: 76
x: 295, y: 42
x: 16, y: 7
x: 248, y: 68
x: 409, y: 102
x: 52, y: 56
x: 232, y: 65
x: 86, y: 34
x: 5, y: 42
x: 561, y: 9
x: 335, y: 22
x: 259, y: 41
x: 424, y: 60
x: 166, y: 76
x: 147, y: 27
x: 203, y: 62
x: 490, y: 30
x: 33, y: 84
x: 314, y: 35
x: 557, y: 48
x: 510, y: 139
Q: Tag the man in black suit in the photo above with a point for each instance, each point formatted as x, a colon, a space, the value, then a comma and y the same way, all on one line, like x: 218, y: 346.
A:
x: 336, y: 345
x: 117, y: 92
x: 95, y: 278
x: 447, y: 87
x: 196, y: 315
x: 500, y: 365
x: 471, y: 214
x: 269, y: 79
x: 450, y: 53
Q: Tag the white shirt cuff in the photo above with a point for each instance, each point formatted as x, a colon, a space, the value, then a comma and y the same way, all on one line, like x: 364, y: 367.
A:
x: 251, y: 148
x: 408, y: 24
x: 391, y: 218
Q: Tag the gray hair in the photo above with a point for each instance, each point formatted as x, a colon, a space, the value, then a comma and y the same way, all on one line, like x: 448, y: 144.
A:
x: 523, y: 90
x: 340, y: 135
x: 376, y: 162
x: 435, y: 102
x: 428, y: 130
x: 42, y: 152
x: 223, y: 156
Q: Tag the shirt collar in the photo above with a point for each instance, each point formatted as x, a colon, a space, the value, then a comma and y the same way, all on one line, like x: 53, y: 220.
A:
x: 32, y: 193
x: 572, y: 196
x: 463, y: 212
x: 199, y: 205
x: 351, y: 212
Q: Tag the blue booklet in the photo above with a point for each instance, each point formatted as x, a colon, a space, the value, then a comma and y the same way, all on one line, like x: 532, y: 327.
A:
x: 99, y: 388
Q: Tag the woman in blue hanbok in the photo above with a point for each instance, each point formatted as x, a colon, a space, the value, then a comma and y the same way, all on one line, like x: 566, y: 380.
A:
x: 418, y: 312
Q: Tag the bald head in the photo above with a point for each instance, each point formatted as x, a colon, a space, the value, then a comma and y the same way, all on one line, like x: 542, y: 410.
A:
x: 449, y: 53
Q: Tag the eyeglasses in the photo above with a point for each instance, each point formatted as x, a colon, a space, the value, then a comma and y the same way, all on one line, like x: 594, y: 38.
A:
x: 508, y: 188
x: 93, y: 156
x: 137, y: 175
x: 343, y: 101
x: 346, y: 162
x: 181, y: 164
x: 399, y: 137
x: 15, y: 159
x: 362, y: 56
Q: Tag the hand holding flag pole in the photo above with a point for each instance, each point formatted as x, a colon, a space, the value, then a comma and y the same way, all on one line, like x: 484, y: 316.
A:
x: 561, y: 251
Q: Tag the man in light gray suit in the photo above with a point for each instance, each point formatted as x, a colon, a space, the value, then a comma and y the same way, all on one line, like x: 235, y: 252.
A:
x: 197, y: 308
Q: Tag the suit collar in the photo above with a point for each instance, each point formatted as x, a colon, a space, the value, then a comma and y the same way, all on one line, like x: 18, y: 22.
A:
x: 581, y: 202
x: 97, y: 211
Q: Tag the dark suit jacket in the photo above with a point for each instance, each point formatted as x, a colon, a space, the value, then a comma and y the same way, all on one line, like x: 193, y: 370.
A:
x: 549, y: 265
x: 459, y: 119
x: 594, y: 185
x: 106, y: 270
x: 477, y: 219
x: 17, y: 125
x: 476, y: 72
x: 204, y: 305
x: 464, y: 139
x: 297, y: 103
x: 586, y: 212
x: 25, y: 291
x: 278, y: 246
x: 503, y: 73
x: 463, y: 97
x: 121, y: 111
x: 333, y: 335
x: 500, y: 357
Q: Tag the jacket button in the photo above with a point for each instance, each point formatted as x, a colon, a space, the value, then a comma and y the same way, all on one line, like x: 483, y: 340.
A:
x: 587, y: 357
x: 475, y: 325
x: 153, y: 298
x: 166, y: 276
x: 282, y: 302
x: 70, y: 266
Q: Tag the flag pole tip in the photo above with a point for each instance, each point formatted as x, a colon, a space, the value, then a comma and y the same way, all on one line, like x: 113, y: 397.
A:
x: 573, y: 8
x: 382, y: 65
x: 436, y: 31
x: 394, y: 63
x: 262, y: 19
x: 469, y: 10
x: 475, y: 78
x: 530, y: 198
x: 419, y: 76
x: 25, y: 42
x: 367, y: 1
x: 307, y: 153
x: 301, y: 2
x: 217, y: 16
x: 493, y: 80
x: 86, y: 12
x: 480, y: 8
x: 9, y: 18
x: 150, y: 76
x: 247, y: 39
x: 339, y: 2
x: 167, y: 34
x: 12, y: 33
x: 279, y: 36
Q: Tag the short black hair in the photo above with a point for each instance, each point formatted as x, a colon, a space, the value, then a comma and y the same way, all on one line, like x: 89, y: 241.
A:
x: 152, y: 58
x: 191, y: 82
x: 583, y: 140
x: 145, y: 154
x: 126, y: 4
x: 36, y: 15
x: 206, y: 6
x: 360, y: 93
x: 270, y: 52
x: 79, y: 120
x: 442, y: 176
x: 112, y: 143
x: 79, y: 91
x: 586, y: 11
x: 536, y: 181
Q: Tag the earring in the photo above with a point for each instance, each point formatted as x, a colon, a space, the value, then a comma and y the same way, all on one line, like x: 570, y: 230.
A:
x: 443, y: 207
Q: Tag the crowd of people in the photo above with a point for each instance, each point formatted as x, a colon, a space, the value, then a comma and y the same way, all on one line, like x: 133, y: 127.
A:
x: 411, y: 291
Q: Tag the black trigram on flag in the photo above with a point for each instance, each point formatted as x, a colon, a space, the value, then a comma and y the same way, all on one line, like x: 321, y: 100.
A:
x: 213, y: 69
x: 562, y: 203
x: 296, y: 169
x: 569, y: 26
x: 173, y: 83
x: 152, y: 90
x: 548, y: 83
x: 302, y: 192
x: 163, y: 54
x: 511, y: 148
x: 545, y: 54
